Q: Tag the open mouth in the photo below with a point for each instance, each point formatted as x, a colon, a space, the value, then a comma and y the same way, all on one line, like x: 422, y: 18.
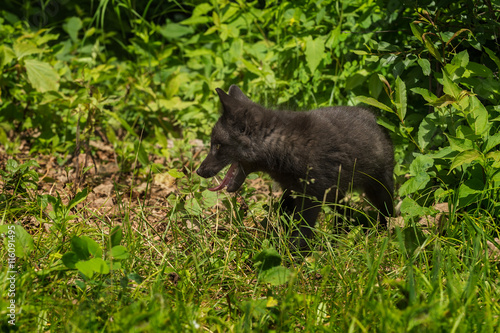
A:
x: 233, y: 180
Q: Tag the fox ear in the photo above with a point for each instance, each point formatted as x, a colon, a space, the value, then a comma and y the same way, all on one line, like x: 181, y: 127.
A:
x: 229, y: 103
x: 236, y: 92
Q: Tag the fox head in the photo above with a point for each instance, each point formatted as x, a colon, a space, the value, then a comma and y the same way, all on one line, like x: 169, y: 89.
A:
x: 233, y: 139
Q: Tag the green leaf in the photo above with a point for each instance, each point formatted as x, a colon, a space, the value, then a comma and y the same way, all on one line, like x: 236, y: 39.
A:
x: 17, y: 240
x: 432, y: 49
x: 420, y: 176
x: 425, y: 65
x: 373, y: 102
x: 119, y: 252
x: 449, y: 87
x: 142, y: 155
x: 315, y: 52
x: 275, y: 276
x: 193, y: 207
x: 176, y: 174
x: 492, y: 142
x: 426, y: 94
x: 79, y: 197
x: 417, y: 31
x: 459, y: 144
x: 477, y: 116
x: 469, y: 192
x: 210, y: 198
x: 116, y: 235
x: 72, y: 26
x: 411, y: 209
x: 79, y: 246
x: 414, y: 184
x: 70, y: 259
x: 493, y: 56
x: 41, y: 75
x: 267, y: 258
x: 466, y: 157
x: 94, y: 265
x: 24, y: 48
x: 401, y: 105
x: 426, y: 130
x: 334, y: 38
x: 122, y: 121
x: 94, y: 248
x: 175, y: 30
x: 6, y: 55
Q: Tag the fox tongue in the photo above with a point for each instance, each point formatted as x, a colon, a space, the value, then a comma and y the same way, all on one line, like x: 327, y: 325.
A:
x: 229, y: 176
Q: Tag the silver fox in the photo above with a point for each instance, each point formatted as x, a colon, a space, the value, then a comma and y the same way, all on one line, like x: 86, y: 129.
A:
x: 336, y: 148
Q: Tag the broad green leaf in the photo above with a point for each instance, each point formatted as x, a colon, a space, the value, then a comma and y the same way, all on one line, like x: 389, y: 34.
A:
x: 443, y: 101
x: 41, y: 75
x: 467, y: 156
x: 6, y: 55
x: 210, y: 198
x: 315, y: 52
x: 72, y: 26
x: 492, y: 142
x: 374, y: 86
x: 17, y: 240
x: 70, y: 259
x: 24, y: 48
x: 334, y: 38
x: 175, y: 103
x: 176, y: 174
x: 469, y: 192
x: 91, y: 266
x: 459, y: 144
x: 267, y: 259
x: 373, y: 102
x: 116, y: 235
x: 449, y: 87
x: 426, y: 94
x: 414, y: 184
x: 495, y: 156
x: 94, y: 248
x: 79, y: 246
x: 193, y: 207
x: 275, y: 275
x: 428, y: 126
x: 175, y: 30
x: 477, y: 116
x: 411, y: 209
x: 401, y: 105
x: 425, y: 65
x: 119, y: 252
x: 420, y: 176
x: 421, y: 164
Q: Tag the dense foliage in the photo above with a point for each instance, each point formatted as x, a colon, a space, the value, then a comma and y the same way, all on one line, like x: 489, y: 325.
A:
x: 140, y: 77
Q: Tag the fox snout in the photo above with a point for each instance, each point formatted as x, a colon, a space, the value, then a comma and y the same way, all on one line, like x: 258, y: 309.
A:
x: 201, y: 171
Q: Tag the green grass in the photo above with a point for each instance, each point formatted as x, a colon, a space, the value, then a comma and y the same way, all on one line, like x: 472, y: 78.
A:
x: 195, y: 270
x: 105, y: 112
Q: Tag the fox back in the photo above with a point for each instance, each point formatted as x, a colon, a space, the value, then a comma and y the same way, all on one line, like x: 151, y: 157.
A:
x: 322, y: 153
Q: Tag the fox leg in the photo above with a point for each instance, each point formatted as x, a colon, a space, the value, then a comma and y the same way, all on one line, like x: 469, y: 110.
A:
x: 304, y: 211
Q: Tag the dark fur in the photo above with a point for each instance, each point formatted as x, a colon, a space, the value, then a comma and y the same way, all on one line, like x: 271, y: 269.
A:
x: 334, y: 148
